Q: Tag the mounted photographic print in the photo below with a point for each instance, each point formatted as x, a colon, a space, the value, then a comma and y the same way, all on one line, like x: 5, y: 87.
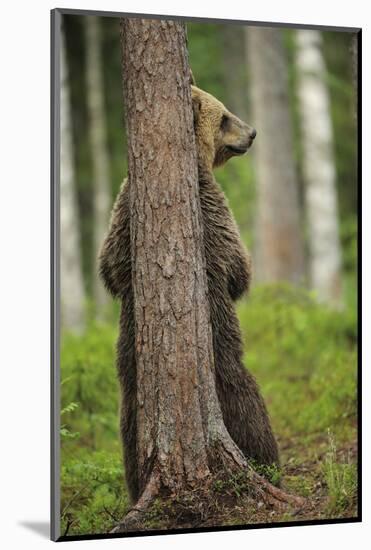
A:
x: 204, y: 277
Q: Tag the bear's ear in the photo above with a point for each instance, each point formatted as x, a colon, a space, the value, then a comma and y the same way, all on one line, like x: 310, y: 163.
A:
x: 192, y: 78
x: 196, y: 105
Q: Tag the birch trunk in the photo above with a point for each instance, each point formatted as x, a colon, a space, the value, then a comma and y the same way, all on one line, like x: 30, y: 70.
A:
x: 319, y: 169
x: 99, y: 153
x: 279, y: 247
x: 72, y: 288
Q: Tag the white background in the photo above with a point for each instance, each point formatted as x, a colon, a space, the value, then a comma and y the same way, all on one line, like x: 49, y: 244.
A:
x: 24, y: 287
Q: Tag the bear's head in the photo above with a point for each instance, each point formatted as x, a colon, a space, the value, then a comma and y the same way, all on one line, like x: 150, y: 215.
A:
x: 220, y: 135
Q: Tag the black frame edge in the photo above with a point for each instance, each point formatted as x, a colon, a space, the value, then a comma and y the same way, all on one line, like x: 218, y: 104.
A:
x: 245, y: 527
x: 359, y: 266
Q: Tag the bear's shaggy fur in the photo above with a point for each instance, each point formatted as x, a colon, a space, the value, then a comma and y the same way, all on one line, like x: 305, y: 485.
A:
x: 219, y: 136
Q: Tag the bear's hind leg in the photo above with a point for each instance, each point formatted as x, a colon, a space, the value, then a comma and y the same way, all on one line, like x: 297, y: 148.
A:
x: 244, y: 412
x: 128, y: 430
x: 127, y: 373
x: 246, y: 418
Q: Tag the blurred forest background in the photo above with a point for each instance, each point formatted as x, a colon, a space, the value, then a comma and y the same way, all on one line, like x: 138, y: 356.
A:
x: 294, y: 197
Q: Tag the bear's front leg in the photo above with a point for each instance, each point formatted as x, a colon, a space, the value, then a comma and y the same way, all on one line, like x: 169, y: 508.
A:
x: 238, y: 272
x: 222, y: 239
x: 115, y: 257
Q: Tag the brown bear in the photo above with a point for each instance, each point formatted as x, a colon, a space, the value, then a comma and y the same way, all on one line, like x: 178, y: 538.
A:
x: 220, y: 135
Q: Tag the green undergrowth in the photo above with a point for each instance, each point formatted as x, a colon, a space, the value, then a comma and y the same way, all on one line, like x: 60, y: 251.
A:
x: 304, y: 357
x: 271, y: 472
x: 92, y: 492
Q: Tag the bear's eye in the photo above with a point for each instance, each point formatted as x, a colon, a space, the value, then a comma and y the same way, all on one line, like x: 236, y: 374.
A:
x: 224, y: 123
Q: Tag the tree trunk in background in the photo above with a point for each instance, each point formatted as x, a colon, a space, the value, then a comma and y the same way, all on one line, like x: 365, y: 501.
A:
x: 72, y: 288
x: 234, y: 66
x: 319, y: 168
x: 354, y: 57
x: 99, y: 154
x: 279, y: 247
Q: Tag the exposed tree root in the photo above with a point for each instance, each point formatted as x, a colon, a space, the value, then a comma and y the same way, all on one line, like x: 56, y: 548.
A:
x: 205, y: 498
x: 274, y: 496
x: 134, y: 517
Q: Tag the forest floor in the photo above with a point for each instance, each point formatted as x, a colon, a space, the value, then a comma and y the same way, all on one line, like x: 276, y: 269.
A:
x: 309, y: 475
x: 304, y: 357
x: 325, y: 478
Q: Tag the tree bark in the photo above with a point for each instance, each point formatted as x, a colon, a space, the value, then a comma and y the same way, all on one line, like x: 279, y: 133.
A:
x: 72, y: 288
x: 319, y: 169
x: 181, y: 438
x: 178, y: 411
x: 99, y: 153
x: 279, y: 247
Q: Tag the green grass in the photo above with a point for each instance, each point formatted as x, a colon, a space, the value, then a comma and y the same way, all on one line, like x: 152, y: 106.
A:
x: 341, y: 480
x: 304, y: 356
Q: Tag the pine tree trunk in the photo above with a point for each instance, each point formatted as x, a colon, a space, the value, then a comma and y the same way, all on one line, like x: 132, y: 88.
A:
x: 319, y: 168
x: 179, y: 414
x: 181, y: 437
x: 72, y: 288
x: 279, y: 247
x: 99, y: 153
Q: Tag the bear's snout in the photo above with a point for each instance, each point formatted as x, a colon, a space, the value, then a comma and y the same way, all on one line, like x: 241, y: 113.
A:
x: 246, y: 138
x: 243, y: 141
